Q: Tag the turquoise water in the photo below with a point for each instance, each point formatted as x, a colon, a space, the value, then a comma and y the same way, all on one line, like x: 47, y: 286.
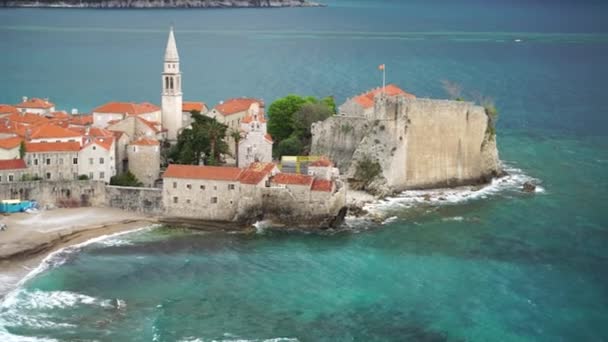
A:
x: 494, y: 264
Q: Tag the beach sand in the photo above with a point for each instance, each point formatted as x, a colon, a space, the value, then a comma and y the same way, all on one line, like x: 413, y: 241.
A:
x: 31, y: 237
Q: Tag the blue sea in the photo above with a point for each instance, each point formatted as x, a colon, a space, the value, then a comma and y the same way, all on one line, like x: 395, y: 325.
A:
x: 491, y: 264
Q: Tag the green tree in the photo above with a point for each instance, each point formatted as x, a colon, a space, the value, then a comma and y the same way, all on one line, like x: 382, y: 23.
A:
x: 125, y: 179
x: 280, y: 115
x: 205, y: 140
x: 236, y: 136
x: 308, y: 114
x: 330, y: 102
x: 22, y: 150
x: 289, y: 147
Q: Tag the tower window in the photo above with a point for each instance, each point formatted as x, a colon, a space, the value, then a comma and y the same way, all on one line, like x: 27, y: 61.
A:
x: 166, y: 82
x: 171, y: 82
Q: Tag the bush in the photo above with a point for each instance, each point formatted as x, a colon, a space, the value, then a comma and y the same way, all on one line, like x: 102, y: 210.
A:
x: 83, y: 177
x: 27, y: 177
x: 126, y: 179
x: 289, y: 147
x: 367, y: 170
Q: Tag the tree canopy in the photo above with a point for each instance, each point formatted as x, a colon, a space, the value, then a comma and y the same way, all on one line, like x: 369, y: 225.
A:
x: 290, y: 118
x: 204, y: 141
x: 125, y: 179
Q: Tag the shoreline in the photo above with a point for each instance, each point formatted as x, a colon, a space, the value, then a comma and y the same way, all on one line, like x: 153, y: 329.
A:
x: 19, y: 258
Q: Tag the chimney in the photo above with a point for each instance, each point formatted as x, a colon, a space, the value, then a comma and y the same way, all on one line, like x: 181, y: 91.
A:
x: 24, y: 99
x: 87, y: 130
x: 74, y: 111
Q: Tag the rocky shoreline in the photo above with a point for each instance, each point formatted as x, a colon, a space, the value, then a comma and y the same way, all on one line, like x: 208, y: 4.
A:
x: 161, y: 4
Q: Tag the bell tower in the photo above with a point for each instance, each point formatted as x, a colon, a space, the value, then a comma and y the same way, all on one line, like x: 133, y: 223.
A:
x: 171, y: 103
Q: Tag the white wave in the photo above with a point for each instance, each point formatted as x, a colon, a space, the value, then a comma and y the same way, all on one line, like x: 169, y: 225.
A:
x: 277, y: 339
x: 8, y: 337
x: 514, y: 181
x: 261, y: 226
x: 454, y: 218
x: 37, y: 300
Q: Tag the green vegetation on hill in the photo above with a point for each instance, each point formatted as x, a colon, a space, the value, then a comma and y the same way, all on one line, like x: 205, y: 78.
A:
x: 126, y: 179
x: 290, y: 118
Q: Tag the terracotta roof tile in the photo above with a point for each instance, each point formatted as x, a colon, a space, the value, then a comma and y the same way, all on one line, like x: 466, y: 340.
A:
x: 366, y: 100
x: 188, y: 106
x: 322, y: 162
x: 221, y: 173
x: 10, y: 143
x: 145, y: 142
x: 256, y: 172
x: 27, y: 118
x: 150, y: 124
x: 292, y: 178
x: 322, y: 185
x: 70, y: 146
x: 104, y: 142
x: 81, y: 120
x: 35, y: 103
x: 127, y: 108
x: 12, y: 164
x: 52, y: 131
x: 238, y: 105
x: 8, y: 109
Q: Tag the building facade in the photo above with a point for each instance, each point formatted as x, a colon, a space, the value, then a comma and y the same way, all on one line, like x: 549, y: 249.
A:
x: 144, y: 160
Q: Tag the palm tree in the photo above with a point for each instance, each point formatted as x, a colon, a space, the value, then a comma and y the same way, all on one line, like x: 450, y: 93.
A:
x: 216, y: 131
x: 236, y: 135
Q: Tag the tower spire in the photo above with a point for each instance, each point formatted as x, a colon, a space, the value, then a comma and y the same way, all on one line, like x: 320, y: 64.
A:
x: 171, y: 50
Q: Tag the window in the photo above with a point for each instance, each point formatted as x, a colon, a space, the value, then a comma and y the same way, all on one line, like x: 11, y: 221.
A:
x: 91, y: 161
x: 48, y: 175
x: 60, y: 175
x: 90, y: 175
x: 35, y: 161
x: 0, y: 179
x: 175, y: 199
x: 102, y: 175
x: 214, y: 187
x: 202, y: 187
x: 101, y: 160
x: 29, y: 161
x: 230, y: 186
x: 94, y: 147
x: 188, y: 201
x: 10, y: 178
x: 75, y: 161
x: 48, y: 161
x: 188, y: 186
x: 60, y: 161
x: 213, y: 200
x: 174, y: 185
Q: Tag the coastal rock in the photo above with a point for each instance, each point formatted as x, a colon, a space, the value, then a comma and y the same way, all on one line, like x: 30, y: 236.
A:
x: 417, y: 144
x: 158, y: 3
x: 528, y: 187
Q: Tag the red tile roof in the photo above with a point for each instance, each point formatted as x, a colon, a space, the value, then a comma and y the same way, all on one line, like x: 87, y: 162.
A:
x: 322, y: 162
x: 256, y: 172
x: 220, y: 173
x: 81, y: 120
x: 145, y: 142
x: 12, y: 164
x: 35, y: 103
x: 7, y: 109
x: 60, y: 115
x: 52, y: 131
x: 366, y: 100
x: 322, y: 185
x: 127, y: 108
x: 150, y: 124
x: 10, y: 143
x: 190, y: 106
x: 233, y: 106
x: 70, y: 146
x: 27, y: 118
x: 292, y: 178
x: 268, y: 137
x: 249, y: 118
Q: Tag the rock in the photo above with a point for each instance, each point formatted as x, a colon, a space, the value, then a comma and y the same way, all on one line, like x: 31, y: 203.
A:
x: 427, y: 197
x: 529, y: 187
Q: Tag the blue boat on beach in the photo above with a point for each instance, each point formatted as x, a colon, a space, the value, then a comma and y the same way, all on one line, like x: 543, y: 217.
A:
x: 15, y: 206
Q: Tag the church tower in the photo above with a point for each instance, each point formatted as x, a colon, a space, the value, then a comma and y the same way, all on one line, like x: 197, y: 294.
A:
x: 172, y: 90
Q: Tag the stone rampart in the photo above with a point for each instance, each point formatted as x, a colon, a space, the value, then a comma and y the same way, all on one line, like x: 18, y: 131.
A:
x: 147, y: 201
x: 73, y: 193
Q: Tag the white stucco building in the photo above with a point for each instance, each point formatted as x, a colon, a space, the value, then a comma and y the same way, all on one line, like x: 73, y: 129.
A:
x: 256, y: 144
x: 97, y: 159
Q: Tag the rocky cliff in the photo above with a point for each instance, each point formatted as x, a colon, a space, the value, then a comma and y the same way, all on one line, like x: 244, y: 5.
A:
x: 157, y: 3
x: 411, y: 143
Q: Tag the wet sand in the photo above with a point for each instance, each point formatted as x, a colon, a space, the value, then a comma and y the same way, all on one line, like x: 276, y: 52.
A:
x: 31, y: 237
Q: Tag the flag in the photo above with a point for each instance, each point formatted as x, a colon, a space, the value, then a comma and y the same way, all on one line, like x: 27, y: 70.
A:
x: 381, y: 67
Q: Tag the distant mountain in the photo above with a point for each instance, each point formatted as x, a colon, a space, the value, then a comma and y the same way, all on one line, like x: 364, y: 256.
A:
x: 157, y: 3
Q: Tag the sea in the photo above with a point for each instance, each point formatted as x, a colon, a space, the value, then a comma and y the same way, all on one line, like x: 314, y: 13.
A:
x: 469, y: 264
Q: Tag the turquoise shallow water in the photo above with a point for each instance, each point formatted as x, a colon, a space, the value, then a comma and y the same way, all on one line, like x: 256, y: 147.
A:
x: 489, y: 265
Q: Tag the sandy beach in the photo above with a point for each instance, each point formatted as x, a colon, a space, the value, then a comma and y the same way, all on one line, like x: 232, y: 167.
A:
x: 30, y: 237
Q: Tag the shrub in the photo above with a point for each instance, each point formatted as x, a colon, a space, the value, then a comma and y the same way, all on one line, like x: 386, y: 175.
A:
x: 83, y: 177
x: 125, y: 179
x: 367, y: 170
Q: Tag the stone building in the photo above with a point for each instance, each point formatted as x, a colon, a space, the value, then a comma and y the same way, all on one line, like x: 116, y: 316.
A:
x: 12, y: 170
x: 53, y: 160
x: 116, y: 111
x: 323, y: 169
x: 172, y: 118
x: 35, y: 106
x: 144, y: 160
x: 201, y: 192
x: 136, y: 126
x: 52, y: 133
x: 232, y: 111
x: 363, y: 104
x: 256, y: 143
x: 121, y: 143
x: 97, y: 159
